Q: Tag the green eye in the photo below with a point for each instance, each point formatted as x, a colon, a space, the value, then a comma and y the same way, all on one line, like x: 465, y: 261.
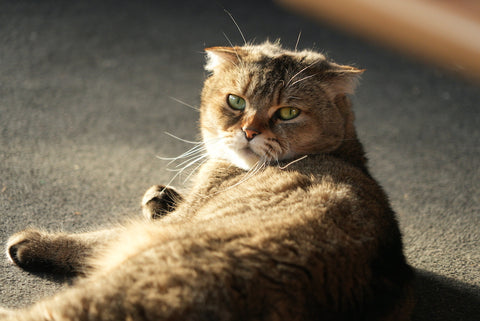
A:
x: 287, y: 113
x: 236, y: 102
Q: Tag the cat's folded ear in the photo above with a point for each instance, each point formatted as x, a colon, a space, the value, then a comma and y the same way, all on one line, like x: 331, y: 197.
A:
x: 343, y: 79
x: 222, y: 56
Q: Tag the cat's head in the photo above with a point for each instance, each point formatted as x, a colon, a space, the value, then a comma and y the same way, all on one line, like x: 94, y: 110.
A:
x: 264, y: 103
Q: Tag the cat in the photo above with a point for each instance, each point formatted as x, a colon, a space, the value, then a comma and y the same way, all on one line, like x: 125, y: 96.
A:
x: 282, y: 222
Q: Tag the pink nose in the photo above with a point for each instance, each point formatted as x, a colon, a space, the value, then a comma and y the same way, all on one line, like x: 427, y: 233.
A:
x: 250, y: 133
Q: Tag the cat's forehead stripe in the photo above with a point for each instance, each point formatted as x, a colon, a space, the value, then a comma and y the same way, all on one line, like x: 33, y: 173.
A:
x: 248, y: 84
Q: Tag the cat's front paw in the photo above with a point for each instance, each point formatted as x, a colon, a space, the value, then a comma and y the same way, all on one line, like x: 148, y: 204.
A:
x: 159, y: 200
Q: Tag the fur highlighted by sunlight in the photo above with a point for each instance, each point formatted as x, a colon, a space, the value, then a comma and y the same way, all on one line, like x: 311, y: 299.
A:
x: 283, y: 220
x: 269, y: 78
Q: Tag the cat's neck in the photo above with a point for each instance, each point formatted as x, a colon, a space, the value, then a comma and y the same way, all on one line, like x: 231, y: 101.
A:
x: 350, y: 150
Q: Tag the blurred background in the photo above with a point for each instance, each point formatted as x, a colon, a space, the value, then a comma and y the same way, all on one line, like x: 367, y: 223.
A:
x: 445, y: 32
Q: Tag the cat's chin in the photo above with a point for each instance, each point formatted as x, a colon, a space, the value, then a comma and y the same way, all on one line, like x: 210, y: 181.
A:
x: 244, y: 158
x: 237, y: 153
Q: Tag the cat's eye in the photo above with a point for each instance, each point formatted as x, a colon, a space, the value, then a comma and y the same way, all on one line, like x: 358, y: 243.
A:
x: 287, y: 113
x: 236, y: 102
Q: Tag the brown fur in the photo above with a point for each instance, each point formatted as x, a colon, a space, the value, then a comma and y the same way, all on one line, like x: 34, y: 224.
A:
x: 298, y: 230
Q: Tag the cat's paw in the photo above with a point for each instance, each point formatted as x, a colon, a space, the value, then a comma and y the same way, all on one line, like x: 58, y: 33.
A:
x: 159, y: 200
x: 27, y: 250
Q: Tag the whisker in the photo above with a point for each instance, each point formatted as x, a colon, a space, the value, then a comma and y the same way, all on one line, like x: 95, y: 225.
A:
x: 293, y: 98
x: 236, y: 24
x: 197, y: 154
x: 181, y: 139
x: 304, y: 78
x: 173, y: 178
x: 259, y: 165
x: 184, y: 103
x: 298, y: 40
x: 293, y: 162
x: 199, y: 149
x: 298, y: 73
x: 242, y: 66
x: 228, y: 39
x: 191, y: 152
x: 270, y: 150
x: 191, y: 161
x: 194, y: 150
x: 180, y: 171
x: 195, y: 170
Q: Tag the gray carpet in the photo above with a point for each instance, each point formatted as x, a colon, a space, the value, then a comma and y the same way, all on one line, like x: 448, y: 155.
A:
x: 85, y: 99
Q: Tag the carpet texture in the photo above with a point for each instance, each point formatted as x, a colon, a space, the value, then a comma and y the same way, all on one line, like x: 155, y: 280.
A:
x: 89, y: 88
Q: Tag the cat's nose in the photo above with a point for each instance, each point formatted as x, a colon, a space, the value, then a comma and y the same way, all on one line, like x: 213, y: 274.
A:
x: 250, y: 133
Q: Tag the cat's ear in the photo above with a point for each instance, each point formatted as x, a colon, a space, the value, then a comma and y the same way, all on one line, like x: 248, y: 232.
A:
x: 221, y: 56
x: 344, y: 79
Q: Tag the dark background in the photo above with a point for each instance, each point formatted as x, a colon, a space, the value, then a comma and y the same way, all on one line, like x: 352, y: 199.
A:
x: 85, y: 99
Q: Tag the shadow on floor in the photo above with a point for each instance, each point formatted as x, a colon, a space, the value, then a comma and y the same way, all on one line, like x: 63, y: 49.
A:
x: 444, y: 299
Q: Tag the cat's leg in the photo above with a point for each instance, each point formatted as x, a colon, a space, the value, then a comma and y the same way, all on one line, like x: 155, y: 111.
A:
x: 159, y: 200
x: 37, y: 250
x: 143, y: 287
x: 69, y: 254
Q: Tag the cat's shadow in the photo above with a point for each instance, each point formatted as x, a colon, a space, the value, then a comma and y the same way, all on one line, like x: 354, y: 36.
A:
x: 437, y: 298
x: 443, y: 299
x: 55, y: 278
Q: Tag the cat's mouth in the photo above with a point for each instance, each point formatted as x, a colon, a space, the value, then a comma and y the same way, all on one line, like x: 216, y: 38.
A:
x: 252, y: 155
x: 248, y: 152
x: 246, y: 158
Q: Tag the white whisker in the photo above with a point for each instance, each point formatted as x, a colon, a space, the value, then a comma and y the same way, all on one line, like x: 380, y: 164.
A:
x: 196, y: 155
x: 298, y: 40
x: 191, y: 152
x: 195, y: 169
x: 242, y: 66
x: 293, y: 98
x: 298, y: 73
x: 185, y: 154
x: 304, y: 78
x: 181, y: 139
x: 236, y: 24
x: 184, y: 103
x: 293, y: 162
x: 189, y: 162
x: 181, y: 170
x: 259, y: 165
x: 228, y: 39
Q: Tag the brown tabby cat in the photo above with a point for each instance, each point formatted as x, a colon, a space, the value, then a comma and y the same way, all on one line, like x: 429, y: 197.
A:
x: 283, y: 221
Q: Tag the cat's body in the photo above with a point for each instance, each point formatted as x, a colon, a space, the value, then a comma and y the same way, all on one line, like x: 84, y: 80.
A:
x: 294, y: 238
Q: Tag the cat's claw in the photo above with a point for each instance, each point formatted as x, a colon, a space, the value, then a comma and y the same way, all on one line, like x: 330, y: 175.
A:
x: 159, y: 200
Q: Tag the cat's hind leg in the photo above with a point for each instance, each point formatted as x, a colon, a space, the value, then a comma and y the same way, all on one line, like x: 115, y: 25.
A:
x: 159, y: 200
x: 61, y: 253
